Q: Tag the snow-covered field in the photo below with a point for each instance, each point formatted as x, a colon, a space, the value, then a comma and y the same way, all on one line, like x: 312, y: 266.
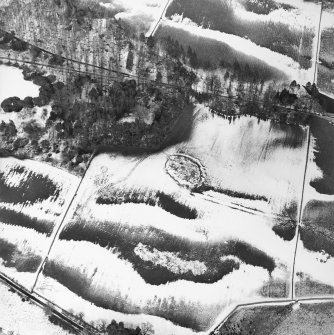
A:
x: 141, y: 245
x: 176, y: 238
x: 33, y: 200
x: 281, y: 62
x: 23, y: 317
x: 13, y: 84
x: 139, y: 13
x: 300, y: 16
x: 303, y: 16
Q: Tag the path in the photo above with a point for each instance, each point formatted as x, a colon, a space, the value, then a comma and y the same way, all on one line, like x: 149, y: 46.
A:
x: 155, y: 25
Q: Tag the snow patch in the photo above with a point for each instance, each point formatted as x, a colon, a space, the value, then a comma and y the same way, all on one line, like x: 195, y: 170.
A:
x: 13, y: 84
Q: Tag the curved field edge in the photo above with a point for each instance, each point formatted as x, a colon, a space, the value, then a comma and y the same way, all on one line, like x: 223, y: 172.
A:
x: 125, y: 239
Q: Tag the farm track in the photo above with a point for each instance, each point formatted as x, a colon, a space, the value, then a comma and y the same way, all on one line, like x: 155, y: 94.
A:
x: 300, y: 213
x: 155, y: 26
x: 315, y: 78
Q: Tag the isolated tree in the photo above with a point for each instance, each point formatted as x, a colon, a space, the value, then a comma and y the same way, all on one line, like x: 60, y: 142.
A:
x: 8, y: 130
x: 142, y: 37
x: 159, y: 76
x: 226, y: 76
x: 194, y: 60
x: 129, y: 61
x: 35, y: 52
x: 189, y: 51
x: 147, y: 328
x: 216, y: 84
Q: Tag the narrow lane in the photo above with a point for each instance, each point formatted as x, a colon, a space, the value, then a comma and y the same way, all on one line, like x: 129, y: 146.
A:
x: 299, y: 219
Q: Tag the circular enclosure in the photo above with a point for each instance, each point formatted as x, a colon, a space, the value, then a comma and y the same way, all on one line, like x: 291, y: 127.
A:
x: 185, y: 170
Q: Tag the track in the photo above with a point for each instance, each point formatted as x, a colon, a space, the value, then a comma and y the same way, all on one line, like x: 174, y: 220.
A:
x: 299, y: 219
x: 315, y: 78
x: 60, y: 226
x: 155, y: 26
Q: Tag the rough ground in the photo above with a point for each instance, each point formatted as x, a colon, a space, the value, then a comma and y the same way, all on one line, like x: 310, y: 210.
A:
x: 296, y: 319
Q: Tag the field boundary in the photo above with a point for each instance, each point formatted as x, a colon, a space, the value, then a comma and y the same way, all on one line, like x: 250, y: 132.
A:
x: 315, y: 77
x: 60, y: 226
x: 154, y: 27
